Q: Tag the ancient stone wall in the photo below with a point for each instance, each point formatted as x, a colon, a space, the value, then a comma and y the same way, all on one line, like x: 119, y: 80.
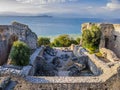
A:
x: 24, y: 34
x: 11, y: 33
x: 110, y: 35
x: 34, y: 61
x: 79, y: 52
x: 65, y: 83
x: 25, y: 70
x: 108, y: 80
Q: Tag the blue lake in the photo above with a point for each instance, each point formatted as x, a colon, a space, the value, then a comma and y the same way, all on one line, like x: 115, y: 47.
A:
x: 52, y: 26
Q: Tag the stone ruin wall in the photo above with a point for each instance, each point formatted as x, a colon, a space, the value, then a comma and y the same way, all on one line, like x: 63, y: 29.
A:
x: 108, y: 80
x: 109, y: 31
x: 112, y: 84
x: 11, y: 33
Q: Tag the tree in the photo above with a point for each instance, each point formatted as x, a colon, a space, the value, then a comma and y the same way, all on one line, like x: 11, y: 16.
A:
x: 20, y: 53
x: 63, y: 41
x: 91, y: 38
x: 43, y: 41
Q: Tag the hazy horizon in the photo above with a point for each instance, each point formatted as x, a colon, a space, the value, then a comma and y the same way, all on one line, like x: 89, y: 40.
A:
x: 61, y: 8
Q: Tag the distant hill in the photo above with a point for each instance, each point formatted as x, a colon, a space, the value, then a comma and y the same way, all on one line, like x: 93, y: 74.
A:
x: 45, y: 16
x: 22, y: 14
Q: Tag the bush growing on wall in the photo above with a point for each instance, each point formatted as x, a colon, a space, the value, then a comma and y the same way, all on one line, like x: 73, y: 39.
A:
x: 91, y: 39
x: 20, y: 53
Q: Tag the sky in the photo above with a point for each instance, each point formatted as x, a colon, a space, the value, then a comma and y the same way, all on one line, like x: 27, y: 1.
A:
x: 62, y: 8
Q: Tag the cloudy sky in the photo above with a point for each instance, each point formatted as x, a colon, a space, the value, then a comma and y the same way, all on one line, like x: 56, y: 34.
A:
x: 63, y: 8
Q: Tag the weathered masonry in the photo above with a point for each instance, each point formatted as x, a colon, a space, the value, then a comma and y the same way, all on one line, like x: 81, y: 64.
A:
x: 108, y: 80
x: 11, y: 33
x: 106, y: 75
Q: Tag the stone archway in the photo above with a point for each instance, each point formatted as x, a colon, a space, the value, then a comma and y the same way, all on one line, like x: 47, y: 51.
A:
x: 106, y: 42
x: 5, y: 46
x: 11, y: 40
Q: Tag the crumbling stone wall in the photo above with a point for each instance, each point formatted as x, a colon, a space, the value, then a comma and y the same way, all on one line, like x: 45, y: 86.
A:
x: 45, y: 84
x: 24, y: 34
x: 11, y: 33
x: 34, y: 61
x: 79, y: 52
x: 108, y: 80
x: 110, y: 35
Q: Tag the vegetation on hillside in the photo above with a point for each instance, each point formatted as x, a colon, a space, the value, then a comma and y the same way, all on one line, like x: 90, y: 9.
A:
x: 64, y: 41
x: 60, y: 41
x: 91, y: 39
x: 20, y: 54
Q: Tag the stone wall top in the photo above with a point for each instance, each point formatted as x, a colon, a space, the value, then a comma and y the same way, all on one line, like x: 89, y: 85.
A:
x: 34, y: 55
x: 19, y: 24
x: 103, y: 26
x: 99, y: 24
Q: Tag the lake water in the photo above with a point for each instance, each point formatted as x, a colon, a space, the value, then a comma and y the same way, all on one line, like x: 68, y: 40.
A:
x: 52, y: 26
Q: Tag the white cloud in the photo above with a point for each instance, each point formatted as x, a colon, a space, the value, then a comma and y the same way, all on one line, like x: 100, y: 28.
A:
x: 45, y: 1
x: 53, y: 7
x: 113, y: 5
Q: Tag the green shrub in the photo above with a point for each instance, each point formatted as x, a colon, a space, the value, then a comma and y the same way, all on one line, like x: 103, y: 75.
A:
x: 43, y: 41
x: 20, y: 54
x: 91, y: 39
